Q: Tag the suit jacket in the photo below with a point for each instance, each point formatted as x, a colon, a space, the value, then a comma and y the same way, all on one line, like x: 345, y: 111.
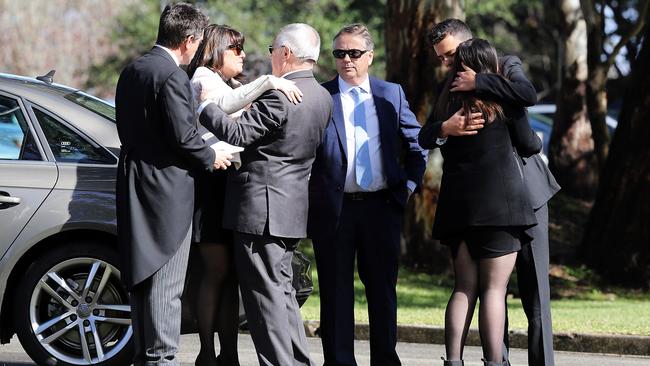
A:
x: 268, y: 194
x: 403, y: 158
x: 514, y: 88
x: 156, y: 123
x: 482, y: 180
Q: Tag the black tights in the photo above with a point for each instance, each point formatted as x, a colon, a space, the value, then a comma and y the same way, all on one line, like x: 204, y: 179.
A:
x: 217, y: 305
x: 486, y: 279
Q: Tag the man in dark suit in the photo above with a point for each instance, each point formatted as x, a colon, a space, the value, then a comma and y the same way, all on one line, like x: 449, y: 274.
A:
x: 532, y: 260
x: 156, y: 122
x: 365, y: 171
x: 266, y: 201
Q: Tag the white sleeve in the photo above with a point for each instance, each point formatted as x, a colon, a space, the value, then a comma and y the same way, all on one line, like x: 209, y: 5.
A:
x: 232, y: 100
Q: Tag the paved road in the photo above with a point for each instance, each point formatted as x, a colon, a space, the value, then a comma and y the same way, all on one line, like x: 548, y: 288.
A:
x: 412, y: 354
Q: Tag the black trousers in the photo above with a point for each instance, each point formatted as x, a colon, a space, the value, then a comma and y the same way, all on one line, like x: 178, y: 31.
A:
x: 368, y: 231
x: 534, y: 289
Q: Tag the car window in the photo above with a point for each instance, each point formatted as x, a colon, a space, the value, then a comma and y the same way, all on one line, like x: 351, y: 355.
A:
x: 92, y: 104
x: 16, y: 141
x: 68, y: 146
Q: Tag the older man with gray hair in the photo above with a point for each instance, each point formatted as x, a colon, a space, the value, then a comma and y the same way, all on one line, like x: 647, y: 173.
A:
x: 267, y: 199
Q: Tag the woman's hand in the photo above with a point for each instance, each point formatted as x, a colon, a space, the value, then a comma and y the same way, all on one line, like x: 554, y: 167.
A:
x: 289, y: 89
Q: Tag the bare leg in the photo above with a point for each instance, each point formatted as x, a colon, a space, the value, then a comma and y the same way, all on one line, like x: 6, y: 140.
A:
x: 460, y: 307
x: 217, y: 263
x: 494, y: 274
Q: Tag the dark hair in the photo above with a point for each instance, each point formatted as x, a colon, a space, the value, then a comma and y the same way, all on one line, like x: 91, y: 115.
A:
x: 357, y: 29
x: 179, y: 21
x: 450, y: 27
x: 216, y: 39
x: 479, y: 55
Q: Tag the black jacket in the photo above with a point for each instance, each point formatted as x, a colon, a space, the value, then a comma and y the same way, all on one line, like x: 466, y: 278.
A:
x: 156, y: 122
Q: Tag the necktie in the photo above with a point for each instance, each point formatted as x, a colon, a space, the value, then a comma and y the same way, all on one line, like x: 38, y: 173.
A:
x: 362, y: 167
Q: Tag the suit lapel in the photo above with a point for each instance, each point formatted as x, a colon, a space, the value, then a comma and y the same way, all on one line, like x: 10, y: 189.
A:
x: 337, y: 114
x: 383, y: 115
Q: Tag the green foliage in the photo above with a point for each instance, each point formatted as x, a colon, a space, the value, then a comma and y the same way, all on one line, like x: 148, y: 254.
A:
x: 134, y: 33
x: 259, y: 20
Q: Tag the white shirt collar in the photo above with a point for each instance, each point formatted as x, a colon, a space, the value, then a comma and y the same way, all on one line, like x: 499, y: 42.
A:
x: 170, y: 53
x: 345, y: 87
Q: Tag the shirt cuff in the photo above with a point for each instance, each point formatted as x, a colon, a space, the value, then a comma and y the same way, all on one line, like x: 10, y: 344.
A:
x: 411, y: 185
x: 441, y: 140
x: 203, y: 105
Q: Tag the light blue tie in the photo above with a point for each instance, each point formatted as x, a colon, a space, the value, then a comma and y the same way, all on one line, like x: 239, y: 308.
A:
x: 363, y: 169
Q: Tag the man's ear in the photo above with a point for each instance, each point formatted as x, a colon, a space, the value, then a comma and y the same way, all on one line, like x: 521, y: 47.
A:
x: 371, y: 55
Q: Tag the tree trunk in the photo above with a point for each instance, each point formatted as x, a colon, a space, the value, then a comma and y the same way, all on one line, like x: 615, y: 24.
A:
x: 411, y: 62
x: 599, y: 68
x: 571, y: 156
x: 616, y: 243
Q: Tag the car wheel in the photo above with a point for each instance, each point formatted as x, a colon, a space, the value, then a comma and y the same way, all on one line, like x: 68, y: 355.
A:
x: 72, y: 309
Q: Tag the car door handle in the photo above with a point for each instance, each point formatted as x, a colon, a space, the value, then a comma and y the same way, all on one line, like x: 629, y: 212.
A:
x: 10, y: 200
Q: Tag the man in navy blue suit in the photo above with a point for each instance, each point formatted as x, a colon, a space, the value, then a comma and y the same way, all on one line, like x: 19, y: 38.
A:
x: 366, y: 168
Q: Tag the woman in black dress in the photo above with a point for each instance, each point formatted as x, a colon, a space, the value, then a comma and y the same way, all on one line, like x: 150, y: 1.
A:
x: 483, y: 209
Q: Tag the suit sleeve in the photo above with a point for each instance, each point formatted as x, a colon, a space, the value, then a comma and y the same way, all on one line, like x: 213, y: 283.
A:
x: 266, y: 115
x: 179, y: 121
x: 523, y: 137
x: 512, y: 88
x: 415, y: 161
x: 429, y: 134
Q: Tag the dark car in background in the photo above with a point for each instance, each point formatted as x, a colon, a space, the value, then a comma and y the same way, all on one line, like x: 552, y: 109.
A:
x: 60, y: 288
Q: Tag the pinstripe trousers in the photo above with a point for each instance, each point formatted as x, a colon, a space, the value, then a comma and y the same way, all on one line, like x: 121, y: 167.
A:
x: 156, y: 311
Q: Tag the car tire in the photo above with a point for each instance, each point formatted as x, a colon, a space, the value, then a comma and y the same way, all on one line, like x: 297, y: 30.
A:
x: 56, y: 309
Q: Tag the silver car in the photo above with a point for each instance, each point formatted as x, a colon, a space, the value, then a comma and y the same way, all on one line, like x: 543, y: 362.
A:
x: 60, y: 288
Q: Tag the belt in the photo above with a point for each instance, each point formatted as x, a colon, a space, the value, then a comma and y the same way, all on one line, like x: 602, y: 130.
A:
x: 360, y: 196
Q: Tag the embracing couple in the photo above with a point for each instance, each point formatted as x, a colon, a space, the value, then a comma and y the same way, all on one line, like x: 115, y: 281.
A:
x: 165, y: 156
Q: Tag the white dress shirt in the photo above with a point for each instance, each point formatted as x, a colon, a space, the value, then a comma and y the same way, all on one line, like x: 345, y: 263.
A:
x: 374, y: 138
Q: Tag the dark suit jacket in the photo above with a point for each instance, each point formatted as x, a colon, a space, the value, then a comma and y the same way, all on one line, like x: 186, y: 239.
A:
x: 403, y: 158
x: 482, y: 180
x: 512, y: 88
x: 156, y: 122
x: 269, y: 190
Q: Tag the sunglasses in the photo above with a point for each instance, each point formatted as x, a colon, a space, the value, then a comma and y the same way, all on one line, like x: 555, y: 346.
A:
x: 236, y: 48
x: 271, y: 48
x: 353, y: 53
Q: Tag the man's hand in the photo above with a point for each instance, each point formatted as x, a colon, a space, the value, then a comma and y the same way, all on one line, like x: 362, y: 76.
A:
x: 459, y: 125
x: 221, y: 159
x: 464, y: 80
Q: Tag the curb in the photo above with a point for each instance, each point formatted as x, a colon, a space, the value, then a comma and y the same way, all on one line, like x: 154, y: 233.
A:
x: 570, y: 342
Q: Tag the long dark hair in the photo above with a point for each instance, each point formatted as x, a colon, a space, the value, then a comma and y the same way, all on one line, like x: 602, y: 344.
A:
x: 216, y: 39
x: 479, y: 55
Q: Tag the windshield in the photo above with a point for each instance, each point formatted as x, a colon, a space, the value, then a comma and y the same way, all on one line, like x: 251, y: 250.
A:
x: 93, y: 104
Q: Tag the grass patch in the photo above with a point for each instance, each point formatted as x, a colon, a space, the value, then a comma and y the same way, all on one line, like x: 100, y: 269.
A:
x: 577, y: 306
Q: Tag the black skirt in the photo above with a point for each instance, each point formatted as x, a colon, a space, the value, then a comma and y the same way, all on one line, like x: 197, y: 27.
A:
x: 489, y: 241
x: 209, y: 198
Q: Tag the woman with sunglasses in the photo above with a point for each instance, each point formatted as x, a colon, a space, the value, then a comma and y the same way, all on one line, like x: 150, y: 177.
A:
x: 218, y: 61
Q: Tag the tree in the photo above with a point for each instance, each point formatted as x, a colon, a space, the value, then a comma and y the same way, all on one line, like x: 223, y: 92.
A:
x: 600, y: 60
x: 65, y: 35
x: 411, y: 62
x: 617, y: 238
x: 571, y: 156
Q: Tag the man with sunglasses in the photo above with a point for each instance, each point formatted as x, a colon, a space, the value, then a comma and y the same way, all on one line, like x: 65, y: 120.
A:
x: 510, y: 86
x: 366, y: 168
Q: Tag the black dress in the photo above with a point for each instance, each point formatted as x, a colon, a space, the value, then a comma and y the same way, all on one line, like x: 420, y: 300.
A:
x: 483, y: 199
x: 209, y: 202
